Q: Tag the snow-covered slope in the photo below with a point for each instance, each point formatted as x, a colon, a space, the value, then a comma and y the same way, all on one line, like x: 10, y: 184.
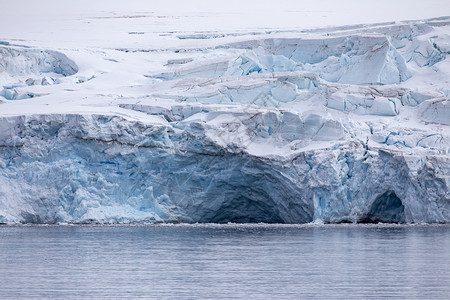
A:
x: 350, y: 124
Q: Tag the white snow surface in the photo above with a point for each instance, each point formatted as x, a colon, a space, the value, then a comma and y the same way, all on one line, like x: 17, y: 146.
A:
x: 130, y: 115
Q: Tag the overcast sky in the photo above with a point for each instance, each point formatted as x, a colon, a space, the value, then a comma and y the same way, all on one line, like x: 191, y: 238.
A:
x: 47, y: 20
x: 378, y: 9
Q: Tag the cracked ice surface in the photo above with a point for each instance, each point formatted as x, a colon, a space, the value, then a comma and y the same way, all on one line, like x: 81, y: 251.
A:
x: 349, y: 124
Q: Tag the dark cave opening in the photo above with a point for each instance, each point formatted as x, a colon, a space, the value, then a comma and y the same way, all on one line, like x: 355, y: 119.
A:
x: 245, y: 210
x: 387, y: 208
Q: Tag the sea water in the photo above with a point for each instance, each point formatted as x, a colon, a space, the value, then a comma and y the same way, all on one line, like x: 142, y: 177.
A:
x: 225, y: 262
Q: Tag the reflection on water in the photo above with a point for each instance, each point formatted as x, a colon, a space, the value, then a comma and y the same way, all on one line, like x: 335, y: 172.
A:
x: 226, y: 261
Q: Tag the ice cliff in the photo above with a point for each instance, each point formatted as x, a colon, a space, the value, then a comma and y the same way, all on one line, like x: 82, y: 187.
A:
x: 343, y: 125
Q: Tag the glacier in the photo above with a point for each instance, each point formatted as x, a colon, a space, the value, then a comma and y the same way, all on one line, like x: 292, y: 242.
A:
x: 346, y: 124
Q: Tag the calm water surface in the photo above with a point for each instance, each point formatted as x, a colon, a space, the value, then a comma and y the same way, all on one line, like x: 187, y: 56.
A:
x: 222, y: 262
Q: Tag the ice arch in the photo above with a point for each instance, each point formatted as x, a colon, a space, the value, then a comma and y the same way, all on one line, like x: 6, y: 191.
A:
x: 387, y: 208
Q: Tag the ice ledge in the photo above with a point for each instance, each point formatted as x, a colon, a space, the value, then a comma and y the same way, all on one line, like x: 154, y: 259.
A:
x: 21, y: 67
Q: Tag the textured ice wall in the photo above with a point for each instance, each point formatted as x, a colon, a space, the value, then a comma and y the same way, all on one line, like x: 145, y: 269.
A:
x: 100, y: 168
